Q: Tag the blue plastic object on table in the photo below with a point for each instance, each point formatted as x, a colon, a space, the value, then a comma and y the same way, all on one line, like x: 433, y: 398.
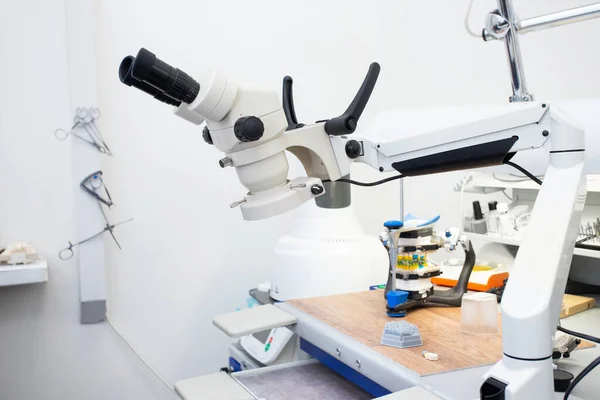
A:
x: 396, y: 297
x: 398, y: 314
x: 393, y: 224
x: 411, y: 217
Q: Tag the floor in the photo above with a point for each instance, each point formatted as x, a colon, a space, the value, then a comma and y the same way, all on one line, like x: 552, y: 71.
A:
x: 46, y: 354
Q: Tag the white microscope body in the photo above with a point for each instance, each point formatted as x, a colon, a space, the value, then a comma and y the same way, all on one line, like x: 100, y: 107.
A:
x: 249, y: 124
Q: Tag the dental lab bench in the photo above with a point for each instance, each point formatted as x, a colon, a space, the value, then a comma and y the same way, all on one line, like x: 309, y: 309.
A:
x: 343, y: 332
x: 253, y: 127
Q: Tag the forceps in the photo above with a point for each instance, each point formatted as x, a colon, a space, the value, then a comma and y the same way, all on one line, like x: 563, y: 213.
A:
x: 67, y: 253
x: 62, y: 134
x: 82, y: 119
x: 86, y: 118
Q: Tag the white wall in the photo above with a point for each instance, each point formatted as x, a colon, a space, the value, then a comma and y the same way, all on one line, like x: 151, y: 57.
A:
x: 35, y: 169
x: 187, y: 256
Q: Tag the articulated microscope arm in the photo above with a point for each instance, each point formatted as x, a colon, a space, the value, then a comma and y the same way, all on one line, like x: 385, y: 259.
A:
x: 249, y: 125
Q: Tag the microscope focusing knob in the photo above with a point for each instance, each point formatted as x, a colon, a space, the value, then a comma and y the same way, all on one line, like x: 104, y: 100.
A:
x: 248, y: 129
x: 206, y: 135
x: 353, y: 149
x: 317, y: 190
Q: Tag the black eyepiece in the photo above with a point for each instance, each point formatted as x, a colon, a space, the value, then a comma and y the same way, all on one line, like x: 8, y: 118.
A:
x: 125, y: 70
x: 170, y: 80
x: 127, y: 78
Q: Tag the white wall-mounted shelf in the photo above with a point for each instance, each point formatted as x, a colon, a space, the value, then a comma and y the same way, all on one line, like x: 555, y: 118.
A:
x: 35, y: 272
x: 517, y: 242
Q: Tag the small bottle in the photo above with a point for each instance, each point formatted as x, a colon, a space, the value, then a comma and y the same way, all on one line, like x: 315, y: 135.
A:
x: 468, y: 223
x: 505, y: 225
x: 478, y: 223
x: 415, y: 263
x: 491, y: 217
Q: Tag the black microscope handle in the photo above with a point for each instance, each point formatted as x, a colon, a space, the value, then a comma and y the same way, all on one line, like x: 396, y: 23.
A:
x: 346, y: 123
x: 288, y: 104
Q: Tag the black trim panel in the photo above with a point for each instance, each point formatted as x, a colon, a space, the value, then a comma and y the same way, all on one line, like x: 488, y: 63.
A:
x: 478, y: 156
x: 528, y: 359
x: 567, y: 151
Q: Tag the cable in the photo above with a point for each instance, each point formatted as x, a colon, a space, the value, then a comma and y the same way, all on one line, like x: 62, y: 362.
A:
x: 524, y: 171
x: 518, y: 178
x: 139, y: 356
x: 589, y: 367
x: 467, y: 27
x: 366, y: 184
x: 506, y: 194
x: 579, y: 335
x: 393, y: 178
x: 581, y: 375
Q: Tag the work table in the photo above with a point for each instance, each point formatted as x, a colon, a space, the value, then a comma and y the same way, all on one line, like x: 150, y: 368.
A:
x: 343, y: 332
x: 352, y: 324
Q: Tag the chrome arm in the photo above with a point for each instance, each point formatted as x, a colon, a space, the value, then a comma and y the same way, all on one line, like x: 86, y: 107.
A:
x: 559, y: 18
x: 511, y: 41
x: 503, y: 23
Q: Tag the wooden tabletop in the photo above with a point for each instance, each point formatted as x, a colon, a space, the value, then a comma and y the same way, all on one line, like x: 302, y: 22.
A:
x: 362, y: 316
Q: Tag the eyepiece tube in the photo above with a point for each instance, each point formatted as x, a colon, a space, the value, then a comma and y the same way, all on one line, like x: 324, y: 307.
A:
x: 127, y: 78
x: 170, y: 80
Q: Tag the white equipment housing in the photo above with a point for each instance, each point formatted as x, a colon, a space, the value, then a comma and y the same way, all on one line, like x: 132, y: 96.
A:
x: 327, y: 252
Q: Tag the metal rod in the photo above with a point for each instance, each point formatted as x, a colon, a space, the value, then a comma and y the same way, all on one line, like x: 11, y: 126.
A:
x: 558, y: 18
x: 513, y: 51
x: 393, y: 252
x: 401, y: 200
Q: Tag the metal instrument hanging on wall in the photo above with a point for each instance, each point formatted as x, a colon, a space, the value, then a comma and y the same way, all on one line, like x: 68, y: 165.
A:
x: 85, y: 119
x: 93, y: 183
x: 94, y: 186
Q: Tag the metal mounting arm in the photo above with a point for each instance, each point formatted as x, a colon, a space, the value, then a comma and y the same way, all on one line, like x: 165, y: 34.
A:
x: 558, y: 18
x: 503, y: 24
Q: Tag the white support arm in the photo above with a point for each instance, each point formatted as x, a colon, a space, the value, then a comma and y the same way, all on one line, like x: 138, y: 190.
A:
x: 532, y: 300
x: 404, y: 136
